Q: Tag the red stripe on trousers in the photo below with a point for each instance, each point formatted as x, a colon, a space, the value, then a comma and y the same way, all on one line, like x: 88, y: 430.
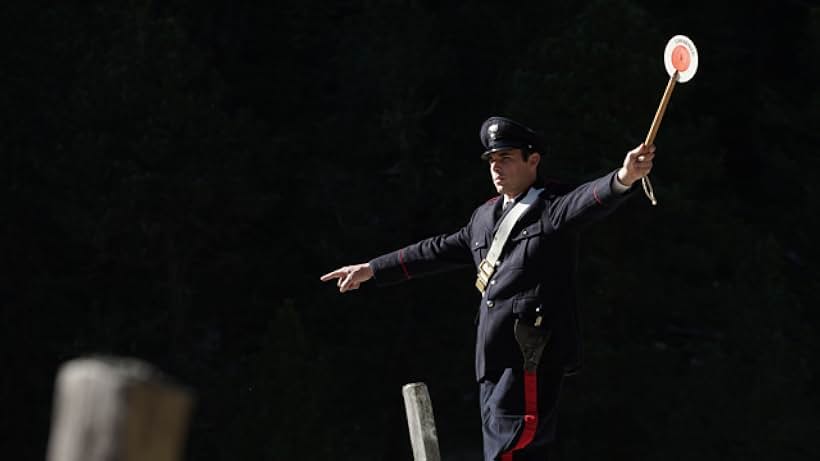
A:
x: 530, y: 415
x: 403, y: 267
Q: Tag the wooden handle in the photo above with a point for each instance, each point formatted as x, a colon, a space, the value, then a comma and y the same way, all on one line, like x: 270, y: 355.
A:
x: 656, y: 122
x: 653, y: 131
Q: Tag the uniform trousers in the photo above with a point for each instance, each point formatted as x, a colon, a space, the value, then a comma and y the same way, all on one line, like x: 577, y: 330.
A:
x: 519, y: 412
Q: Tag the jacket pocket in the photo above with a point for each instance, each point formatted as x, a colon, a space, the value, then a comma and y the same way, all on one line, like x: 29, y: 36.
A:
x: 525, y: 246
x: 480, y: 250
x: 533, y: 230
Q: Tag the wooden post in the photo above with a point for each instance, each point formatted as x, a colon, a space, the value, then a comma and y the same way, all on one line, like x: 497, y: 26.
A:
x: 116, y: 409
x: 421, y: 422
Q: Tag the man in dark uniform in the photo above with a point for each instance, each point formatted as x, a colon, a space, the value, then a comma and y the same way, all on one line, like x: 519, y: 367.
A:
x: 522, y: 243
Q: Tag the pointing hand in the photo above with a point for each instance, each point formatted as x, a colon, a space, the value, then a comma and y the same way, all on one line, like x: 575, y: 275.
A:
x: 349, y: 277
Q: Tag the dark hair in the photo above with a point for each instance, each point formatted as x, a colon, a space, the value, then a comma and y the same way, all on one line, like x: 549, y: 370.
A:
x: 525, y: 154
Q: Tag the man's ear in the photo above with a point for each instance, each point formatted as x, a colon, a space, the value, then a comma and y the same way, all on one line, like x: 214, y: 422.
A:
x: 534, y: 159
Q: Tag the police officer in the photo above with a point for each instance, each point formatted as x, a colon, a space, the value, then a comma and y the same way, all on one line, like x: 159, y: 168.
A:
x: 522, y: 244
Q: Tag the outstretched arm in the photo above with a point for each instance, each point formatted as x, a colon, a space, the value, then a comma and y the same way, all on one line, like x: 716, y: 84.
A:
x: 428, y: 256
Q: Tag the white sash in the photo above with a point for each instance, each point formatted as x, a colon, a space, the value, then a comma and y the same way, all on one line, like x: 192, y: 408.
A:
x: 487, y: 266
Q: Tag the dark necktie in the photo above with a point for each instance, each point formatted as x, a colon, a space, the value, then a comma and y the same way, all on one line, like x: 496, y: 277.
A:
x: 500, y: 211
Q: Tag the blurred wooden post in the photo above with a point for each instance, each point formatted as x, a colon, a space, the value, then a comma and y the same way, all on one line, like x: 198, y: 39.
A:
x: 116, y: 409
x: 421, y: 422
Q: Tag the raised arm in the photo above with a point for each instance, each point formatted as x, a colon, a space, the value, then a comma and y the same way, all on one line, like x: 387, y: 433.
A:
x: 601, y: 196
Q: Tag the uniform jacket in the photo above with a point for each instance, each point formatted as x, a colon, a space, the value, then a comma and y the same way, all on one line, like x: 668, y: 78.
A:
x: 536, y: 274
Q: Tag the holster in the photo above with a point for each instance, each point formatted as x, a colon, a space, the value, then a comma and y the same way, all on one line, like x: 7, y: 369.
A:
x: 532, y: 340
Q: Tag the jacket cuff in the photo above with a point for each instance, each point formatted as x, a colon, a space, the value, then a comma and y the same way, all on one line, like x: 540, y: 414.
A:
x: 603, y: 190
x: 390, y: 268
x: 617, y: 186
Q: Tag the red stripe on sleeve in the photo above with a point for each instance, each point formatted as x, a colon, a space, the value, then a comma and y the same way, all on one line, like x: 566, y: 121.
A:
x: 403, y: 267
x: 597, y: 199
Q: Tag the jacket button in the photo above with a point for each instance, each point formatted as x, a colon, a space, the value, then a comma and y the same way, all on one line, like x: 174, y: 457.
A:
x: 492, y: 282
x: 490, y: 304
x: 476, y: 243
x: 524, y: 232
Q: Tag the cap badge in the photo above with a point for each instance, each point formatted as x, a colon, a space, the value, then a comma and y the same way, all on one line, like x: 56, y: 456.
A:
x: 492, y: 131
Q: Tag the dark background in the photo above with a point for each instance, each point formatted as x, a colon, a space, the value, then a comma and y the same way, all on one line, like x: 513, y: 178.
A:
x: 177, y: 175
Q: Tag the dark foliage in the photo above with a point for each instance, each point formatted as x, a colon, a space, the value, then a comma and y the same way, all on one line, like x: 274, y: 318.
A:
x: 177, y: 175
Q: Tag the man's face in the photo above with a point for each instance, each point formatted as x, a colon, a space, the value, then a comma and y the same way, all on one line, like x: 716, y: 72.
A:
x: 512, y: 174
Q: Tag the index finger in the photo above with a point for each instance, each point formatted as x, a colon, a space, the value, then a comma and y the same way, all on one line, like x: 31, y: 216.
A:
x: 338, y: 273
